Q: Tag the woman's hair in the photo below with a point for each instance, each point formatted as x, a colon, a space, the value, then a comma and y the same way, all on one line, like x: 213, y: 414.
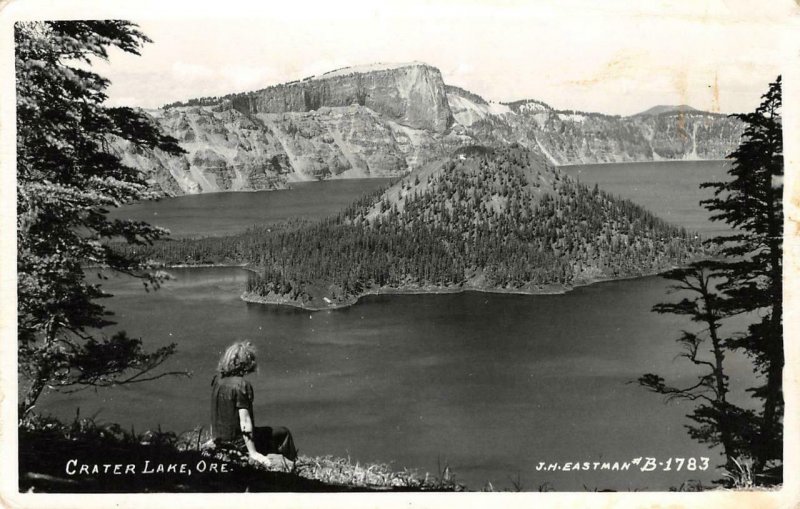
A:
x: 238, y: 360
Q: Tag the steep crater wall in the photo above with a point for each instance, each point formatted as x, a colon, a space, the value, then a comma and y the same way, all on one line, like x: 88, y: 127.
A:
x: 412, y: 95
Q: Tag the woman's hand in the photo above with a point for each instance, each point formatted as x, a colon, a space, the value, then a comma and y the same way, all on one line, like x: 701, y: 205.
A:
x: 260, y: 458
x: 273, y: 461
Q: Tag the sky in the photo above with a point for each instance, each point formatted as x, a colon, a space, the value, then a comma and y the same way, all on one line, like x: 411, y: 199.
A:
x: 614, y: 57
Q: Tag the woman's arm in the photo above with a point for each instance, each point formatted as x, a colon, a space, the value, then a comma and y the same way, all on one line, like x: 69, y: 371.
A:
x: 246, y: 424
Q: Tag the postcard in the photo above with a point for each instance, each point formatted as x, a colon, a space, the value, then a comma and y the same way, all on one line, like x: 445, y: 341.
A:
x: 412, y: 253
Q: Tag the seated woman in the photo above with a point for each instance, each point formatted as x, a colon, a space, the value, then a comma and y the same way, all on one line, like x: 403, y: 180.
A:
x: 233, y: 422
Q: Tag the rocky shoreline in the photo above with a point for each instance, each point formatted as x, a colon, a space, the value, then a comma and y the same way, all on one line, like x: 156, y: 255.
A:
x: 551, y: 289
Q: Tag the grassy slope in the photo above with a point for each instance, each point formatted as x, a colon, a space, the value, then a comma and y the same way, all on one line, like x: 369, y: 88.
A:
x: 46, y: 446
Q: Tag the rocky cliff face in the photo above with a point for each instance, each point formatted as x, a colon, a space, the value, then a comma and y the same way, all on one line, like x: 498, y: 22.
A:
x: 571, y: 137
x: 412, y: 95
x: 228, y: 150
x: 386, y: 120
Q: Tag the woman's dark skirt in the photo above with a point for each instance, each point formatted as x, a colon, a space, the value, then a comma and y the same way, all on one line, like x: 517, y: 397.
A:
x: 268, y: 440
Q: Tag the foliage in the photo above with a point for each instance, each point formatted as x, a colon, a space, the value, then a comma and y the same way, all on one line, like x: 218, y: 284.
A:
x: 343, y: 471
x: 66, y: 180
x: 201, y: 101
x: 752, y: 272
x: 740, y: 475
x: 745, y: 278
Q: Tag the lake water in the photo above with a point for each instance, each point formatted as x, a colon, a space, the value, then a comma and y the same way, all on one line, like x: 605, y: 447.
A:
x: 488, y: 384
x: 227, y: 213
x: 670, y: 189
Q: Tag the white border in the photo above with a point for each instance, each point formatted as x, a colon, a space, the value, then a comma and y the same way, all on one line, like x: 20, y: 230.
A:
x: 10, y: 11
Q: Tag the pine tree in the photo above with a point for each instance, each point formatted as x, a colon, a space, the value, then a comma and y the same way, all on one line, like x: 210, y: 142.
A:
x: 745, y: 277
x: 752, y: 203
x: 717, y: 421
x: 67, y: 178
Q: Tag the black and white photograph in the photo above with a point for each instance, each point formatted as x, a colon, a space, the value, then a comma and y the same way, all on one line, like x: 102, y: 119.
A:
x: 406, y: 248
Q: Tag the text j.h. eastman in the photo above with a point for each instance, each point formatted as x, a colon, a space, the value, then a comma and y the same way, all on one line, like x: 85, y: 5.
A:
x: 643, y: 463
x: 75, y: 467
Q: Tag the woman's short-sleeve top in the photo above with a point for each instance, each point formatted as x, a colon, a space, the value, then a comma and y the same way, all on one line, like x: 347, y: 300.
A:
x: 228, y: 395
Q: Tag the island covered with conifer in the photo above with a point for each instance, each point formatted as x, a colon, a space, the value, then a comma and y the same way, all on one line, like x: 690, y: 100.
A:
x: 497, y: 219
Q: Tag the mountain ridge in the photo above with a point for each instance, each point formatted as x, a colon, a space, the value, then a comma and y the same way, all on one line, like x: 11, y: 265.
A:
x: 668, y: 108
x: 390, y: 119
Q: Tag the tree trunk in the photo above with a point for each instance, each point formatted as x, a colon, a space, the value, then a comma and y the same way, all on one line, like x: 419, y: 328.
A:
x: 770, y: 428
x: 723, y: 424
x: 773, y: 397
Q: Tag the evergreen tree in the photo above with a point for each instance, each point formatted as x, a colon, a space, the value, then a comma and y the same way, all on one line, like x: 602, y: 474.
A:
x: 67, y: 178
x: 745, y: 277
x: 717, y: 421
x: 752, y: 203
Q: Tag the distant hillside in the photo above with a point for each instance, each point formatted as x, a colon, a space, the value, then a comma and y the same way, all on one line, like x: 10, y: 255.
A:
x: 488, y: 219
x: 663, y: 108
x: 579, y: 137
x: 389, y: 119
x: 451, y: 89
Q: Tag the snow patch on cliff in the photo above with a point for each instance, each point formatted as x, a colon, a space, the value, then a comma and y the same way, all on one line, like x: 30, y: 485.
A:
x: 532, y: 106
x: 573, y: 117
x: 498, y: 108
x: 466, y: 112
